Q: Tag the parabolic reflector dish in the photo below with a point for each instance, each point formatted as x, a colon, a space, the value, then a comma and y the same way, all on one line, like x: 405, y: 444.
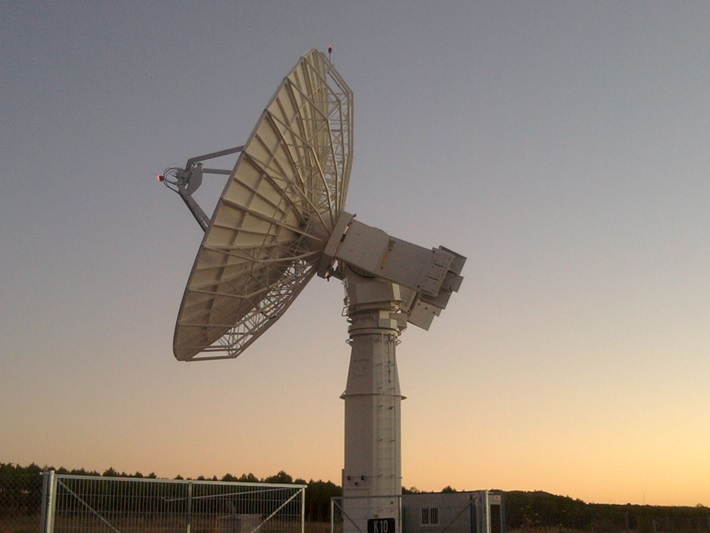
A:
x: 274, y: 217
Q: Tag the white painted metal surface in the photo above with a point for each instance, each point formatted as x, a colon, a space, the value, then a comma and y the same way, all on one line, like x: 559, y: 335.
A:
x: 427, y: 276
x: 373, y: 455
x: 274, y: 216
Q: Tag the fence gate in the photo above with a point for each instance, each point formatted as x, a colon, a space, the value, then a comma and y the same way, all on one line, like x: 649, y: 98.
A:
x: 130, y: 505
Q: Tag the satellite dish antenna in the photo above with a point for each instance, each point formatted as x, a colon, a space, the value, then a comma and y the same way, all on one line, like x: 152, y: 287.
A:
x: 279, y: 221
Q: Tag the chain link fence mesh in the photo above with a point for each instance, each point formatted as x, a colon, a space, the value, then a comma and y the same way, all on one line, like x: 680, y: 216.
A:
x: 20, y: 501
x: 542, y: 514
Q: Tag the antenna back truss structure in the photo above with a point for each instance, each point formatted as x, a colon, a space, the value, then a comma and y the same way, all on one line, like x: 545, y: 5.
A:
x: 265, y: 238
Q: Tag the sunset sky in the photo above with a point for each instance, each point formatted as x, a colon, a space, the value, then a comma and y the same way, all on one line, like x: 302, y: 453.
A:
x: 562, y: 147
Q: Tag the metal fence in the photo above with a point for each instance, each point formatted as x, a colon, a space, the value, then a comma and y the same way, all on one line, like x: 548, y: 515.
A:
x: 79, y: 503
x: 101, y: 504
x: 578, y: 517
x: 59, y: 503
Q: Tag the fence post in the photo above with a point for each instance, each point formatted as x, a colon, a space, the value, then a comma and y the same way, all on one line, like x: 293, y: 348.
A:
x: 49, y: 500
x: 332, y: 516
x: 626, y: 521
x: 303, y: 509
x: 189, y: 506
x: 473, y: 514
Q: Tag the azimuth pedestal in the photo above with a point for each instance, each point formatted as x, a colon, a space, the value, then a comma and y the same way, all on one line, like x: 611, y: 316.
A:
x: 372, y: 476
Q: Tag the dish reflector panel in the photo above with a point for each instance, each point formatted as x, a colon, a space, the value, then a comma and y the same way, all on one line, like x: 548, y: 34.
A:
x: 272, y: 222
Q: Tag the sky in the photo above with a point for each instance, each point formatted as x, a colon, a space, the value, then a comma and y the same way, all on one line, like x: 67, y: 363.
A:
x: 562, y: 147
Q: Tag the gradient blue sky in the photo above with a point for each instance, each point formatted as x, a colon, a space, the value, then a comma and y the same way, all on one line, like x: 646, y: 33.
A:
x: 563, y: 147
